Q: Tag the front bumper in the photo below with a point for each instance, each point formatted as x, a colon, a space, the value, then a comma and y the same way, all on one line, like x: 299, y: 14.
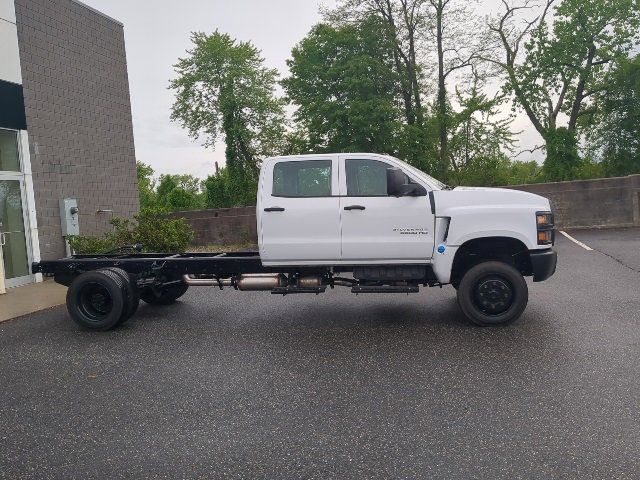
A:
x: 543, y: 264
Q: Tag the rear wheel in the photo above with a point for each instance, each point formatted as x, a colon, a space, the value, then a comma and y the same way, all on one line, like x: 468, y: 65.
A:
x: 163, y: 295
x: 493, y: 293
x: 133, y: 293
x: 97, y: 300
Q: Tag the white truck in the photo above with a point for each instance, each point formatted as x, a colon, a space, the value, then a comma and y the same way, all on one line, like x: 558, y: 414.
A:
x: 368, y: 222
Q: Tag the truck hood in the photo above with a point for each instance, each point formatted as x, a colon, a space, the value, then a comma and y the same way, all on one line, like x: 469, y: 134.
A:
x: 485, y: 196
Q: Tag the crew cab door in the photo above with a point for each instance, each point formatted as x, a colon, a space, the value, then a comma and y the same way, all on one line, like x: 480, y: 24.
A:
x: 377, y: 227
x: 298, y: 211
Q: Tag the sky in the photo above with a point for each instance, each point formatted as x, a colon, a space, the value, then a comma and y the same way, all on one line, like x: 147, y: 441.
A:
x: 157, y: 34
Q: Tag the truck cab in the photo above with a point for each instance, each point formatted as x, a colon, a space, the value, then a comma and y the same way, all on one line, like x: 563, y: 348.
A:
x: 336, y: 209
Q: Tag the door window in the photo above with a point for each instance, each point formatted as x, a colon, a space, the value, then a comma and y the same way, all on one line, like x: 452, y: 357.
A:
x: 367, y: 178
x: 310, y: 178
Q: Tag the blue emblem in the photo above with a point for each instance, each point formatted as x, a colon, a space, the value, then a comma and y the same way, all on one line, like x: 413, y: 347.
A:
x: 441, y: 248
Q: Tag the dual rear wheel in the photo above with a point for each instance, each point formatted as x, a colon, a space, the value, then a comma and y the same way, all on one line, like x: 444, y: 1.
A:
x: 106, y: 298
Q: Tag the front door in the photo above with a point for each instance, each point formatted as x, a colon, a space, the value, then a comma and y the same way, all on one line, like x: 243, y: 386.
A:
x: 298, y: 212
x: 378, y: 227
x: 13, y: 237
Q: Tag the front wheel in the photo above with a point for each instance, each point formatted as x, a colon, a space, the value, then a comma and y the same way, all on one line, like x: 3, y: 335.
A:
x: 493, y: 293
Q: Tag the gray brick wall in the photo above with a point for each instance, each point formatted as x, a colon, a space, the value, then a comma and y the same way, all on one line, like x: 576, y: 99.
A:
x: 78, y: 116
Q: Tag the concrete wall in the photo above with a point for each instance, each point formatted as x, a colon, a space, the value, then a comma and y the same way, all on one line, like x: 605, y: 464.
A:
x: 601, y: 203
x: 608, y: 202
x: 222, y: 226
x: 76, y: 95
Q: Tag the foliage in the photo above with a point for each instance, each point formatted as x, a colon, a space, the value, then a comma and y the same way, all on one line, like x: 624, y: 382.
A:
x: 152, y: 229
x: 179, y: 192
x: 566, y: 63
x: 476, y: 133
x: 146, y: 185
x: 224, y: 190
x: 89, y: 244
x: 615, y: 128
x: 562, y: 160
x: 223, y: 91
x: 403, y: 22
x: 344, y: 88
x: 495, y: 171
x: 170, y: 192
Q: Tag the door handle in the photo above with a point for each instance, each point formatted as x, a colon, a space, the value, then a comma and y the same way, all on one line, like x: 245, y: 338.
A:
x: 3, y: 239
x: 354, y: 207
x: 274, y: 209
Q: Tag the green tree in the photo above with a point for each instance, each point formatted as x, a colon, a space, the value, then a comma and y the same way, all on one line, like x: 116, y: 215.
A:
x: 146, y: 186
x: 616, y: 126
x: 477, y: 138
x: 344, y: 88
x: 224, y: 92
x: 215, y: 190
x: 179, y: 192
x: 403, y: 21
x: 455, y: 36
x: 565, y: 64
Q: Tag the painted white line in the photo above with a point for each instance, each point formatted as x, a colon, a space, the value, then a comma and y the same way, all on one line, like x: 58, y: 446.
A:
x: 577, y: 242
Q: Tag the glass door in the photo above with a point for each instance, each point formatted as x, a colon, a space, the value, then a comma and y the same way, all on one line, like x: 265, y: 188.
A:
x: 13, y: 237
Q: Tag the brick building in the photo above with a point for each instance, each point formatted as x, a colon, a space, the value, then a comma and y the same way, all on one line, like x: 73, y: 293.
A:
x: 65, y: 127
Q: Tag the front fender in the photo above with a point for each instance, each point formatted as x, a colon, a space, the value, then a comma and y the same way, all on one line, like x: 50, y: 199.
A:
x: 469, y: 223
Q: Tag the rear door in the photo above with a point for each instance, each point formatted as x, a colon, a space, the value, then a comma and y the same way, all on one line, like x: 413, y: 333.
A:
x: 376, y: 227
x: 299, y: 212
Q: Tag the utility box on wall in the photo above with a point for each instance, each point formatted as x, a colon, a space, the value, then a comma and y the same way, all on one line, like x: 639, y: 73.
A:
x: 69, y: 217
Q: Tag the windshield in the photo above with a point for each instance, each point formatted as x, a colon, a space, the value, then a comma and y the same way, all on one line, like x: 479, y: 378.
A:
x: 437, y: 184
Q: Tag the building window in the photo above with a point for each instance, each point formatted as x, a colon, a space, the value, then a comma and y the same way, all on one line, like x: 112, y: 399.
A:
x: 311, y: 178
x: 9, y: 156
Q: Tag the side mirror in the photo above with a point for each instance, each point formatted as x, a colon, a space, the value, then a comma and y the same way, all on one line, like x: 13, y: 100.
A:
x: 396, y: 186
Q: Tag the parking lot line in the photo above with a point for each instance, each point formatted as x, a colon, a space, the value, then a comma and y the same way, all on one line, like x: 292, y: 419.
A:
x: 577, y: 242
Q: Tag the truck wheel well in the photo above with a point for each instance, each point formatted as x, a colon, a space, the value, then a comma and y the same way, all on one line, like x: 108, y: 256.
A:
x: 505, y: 249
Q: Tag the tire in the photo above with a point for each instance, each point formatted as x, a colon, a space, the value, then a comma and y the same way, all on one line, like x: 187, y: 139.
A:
x: 163, y: 296
x: 97, y: 300
x: 133, y: 293
x: 493, y: 293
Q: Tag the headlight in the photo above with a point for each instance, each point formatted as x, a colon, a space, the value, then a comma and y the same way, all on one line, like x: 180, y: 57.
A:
x: 545, y: 225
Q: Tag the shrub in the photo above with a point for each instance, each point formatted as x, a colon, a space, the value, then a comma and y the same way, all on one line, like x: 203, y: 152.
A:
x: 150, y: 228
x: 157, y: 232
x: 87, y: 244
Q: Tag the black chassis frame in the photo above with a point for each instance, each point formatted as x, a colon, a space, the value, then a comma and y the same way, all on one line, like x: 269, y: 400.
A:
x: 159, y: 269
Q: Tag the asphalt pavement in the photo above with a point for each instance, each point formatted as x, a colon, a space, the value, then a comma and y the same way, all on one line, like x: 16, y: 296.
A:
x: 250, y: 385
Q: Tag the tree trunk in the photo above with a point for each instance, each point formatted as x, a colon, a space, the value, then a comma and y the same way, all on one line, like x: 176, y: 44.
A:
x: 577, y: 101
x: 441, y: 105
x: 413, y: 73
x: 406, y: 89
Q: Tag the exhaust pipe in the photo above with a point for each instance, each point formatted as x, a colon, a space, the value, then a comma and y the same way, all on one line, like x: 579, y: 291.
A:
x: 309, y: 281
x: 249, y: 282
x: 207, y: 282
x: 261, y: 281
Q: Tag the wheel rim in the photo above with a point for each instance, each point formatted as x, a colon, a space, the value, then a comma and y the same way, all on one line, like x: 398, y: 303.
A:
x: 95, y: 302
x: 493, y: 295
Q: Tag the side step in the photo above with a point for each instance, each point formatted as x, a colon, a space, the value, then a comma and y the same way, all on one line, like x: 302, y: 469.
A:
x: 386, y: 289
x: 288, y: 290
